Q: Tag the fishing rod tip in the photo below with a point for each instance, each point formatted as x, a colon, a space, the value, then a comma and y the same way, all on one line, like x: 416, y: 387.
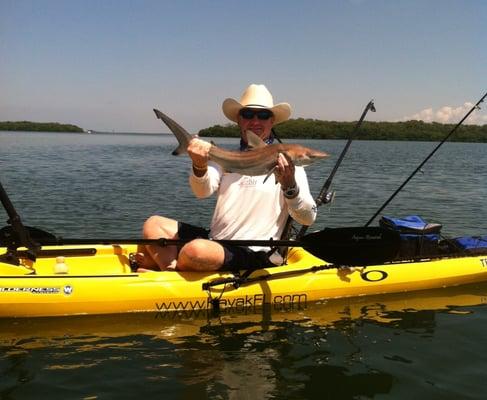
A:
x: 372, y: 105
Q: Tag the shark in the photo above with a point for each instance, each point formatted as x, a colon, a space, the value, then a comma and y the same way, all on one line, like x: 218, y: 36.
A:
x: 260, y: 160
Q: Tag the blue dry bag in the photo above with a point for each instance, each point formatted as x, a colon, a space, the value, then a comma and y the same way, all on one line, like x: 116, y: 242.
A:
x: 471, y: 244
x: 419, y: 239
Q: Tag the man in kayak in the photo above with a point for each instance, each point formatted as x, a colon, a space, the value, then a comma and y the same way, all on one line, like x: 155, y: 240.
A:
x: 247, y: 207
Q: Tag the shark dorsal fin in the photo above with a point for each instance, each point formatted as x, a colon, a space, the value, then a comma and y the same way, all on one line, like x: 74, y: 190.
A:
x: 254, y: 141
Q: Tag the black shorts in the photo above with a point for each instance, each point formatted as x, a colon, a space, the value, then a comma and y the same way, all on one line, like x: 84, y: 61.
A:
x: 236, y: 257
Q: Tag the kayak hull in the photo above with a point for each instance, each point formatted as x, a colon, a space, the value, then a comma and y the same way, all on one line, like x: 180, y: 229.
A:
x: 99, y: 280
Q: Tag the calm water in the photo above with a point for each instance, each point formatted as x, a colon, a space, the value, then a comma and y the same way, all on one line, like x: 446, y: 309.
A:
x: 427, y: 345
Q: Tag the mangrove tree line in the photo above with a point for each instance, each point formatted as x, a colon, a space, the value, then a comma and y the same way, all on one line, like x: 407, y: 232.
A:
x: 28, y: 126
x: 317, y: 129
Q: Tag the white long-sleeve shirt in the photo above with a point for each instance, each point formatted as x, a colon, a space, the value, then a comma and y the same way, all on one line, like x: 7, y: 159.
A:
x: 248, y: 208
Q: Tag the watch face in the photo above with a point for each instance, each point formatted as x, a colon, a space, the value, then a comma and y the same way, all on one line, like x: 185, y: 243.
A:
x: 290, y: 192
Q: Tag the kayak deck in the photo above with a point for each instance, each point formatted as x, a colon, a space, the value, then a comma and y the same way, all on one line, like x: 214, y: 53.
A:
x: 99, y: 280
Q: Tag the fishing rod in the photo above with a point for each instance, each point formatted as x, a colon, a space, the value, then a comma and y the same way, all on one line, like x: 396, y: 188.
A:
x: 476, y: 106
x: 326, y: 196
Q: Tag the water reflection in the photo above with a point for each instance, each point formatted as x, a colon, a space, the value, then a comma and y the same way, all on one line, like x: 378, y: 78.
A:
x: 352, y: 348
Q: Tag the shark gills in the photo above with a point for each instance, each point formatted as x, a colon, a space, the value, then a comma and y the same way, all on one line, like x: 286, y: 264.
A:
x: 261, y: 160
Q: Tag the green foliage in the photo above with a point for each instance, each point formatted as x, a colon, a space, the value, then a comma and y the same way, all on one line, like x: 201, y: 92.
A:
x: 409, y: 130
x: 229, y: 130
x: 29, y: 126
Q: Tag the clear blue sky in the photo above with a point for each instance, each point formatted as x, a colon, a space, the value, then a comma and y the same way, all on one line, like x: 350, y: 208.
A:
x: 105, y: 64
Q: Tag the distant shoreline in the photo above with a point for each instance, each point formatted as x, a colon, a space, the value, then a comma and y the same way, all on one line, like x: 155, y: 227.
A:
x: 401, y: 131
x: 28, y: 126
x: 301, y: 129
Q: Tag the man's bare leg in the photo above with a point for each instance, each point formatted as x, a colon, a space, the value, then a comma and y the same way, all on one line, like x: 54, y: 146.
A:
x: 157, y: 227
x: 201, y: 255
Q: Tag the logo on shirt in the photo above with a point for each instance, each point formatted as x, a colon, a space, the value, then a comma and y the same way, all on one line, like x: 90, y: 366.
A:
x: 248, y: 181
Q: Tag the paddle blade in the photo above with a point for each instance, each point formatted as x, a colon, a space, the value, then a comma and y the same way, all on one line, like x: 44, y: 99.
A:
x: 359, y: 246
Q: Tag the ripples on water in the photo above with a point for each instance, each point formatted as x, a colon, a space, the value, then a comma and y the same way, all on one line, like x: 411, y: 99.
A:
x: 420, y: 345
x: 108, y: 184
x: 335, y: 350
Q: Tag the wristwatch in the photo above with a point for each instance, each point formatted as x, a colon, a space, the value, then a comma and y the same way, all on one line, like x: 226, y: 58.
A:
x: 290, y: 192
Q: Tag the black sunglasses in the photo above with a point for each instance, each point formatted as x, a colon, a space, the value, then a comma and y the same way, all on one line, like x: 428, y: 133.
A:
x: 248, y: 113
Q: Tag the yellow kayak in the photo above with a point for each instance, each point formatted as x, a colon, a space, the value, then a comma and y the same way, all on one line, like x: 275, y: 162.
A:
x: 98, y: 279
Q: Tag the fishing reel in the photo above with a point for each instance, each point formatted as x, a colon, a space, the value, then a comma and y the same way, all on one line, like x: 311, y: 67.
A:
x: 325, y: 198
x: 329, y: 197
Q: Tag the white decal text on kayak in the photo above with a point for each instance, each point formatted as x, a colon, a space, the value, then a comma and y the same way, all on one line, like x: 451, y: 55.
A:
x: 34, y: 290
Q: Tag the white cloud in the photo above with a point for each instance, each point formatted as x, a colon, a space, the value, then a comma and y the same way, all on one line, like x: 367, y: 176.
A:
x: 450, y: 115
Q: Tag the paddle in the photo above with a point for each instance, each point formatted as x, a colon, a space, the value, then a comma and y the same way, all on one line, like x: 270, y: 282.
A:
x: 342, y: 246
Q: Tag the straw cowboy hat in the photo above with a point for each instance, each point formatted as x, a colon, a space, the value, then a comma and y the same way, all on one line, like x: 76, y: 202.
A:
x: 256, y: 96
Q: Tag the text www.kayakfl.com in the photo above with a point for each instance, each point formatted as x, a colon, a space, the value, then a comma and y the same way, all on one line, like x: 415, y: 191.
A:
x: 238, y: 302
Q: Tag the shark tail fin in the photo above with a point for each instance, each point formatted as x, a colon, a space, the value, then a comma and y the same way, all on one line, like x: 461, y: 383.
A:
x: 181, y: 134
x: 179, y: 150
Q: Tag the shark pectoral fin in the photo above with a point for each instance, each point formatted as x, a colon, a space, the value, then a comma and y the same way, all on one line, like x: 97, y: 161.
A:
x: 254, y: 141
x: 288, y: 157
